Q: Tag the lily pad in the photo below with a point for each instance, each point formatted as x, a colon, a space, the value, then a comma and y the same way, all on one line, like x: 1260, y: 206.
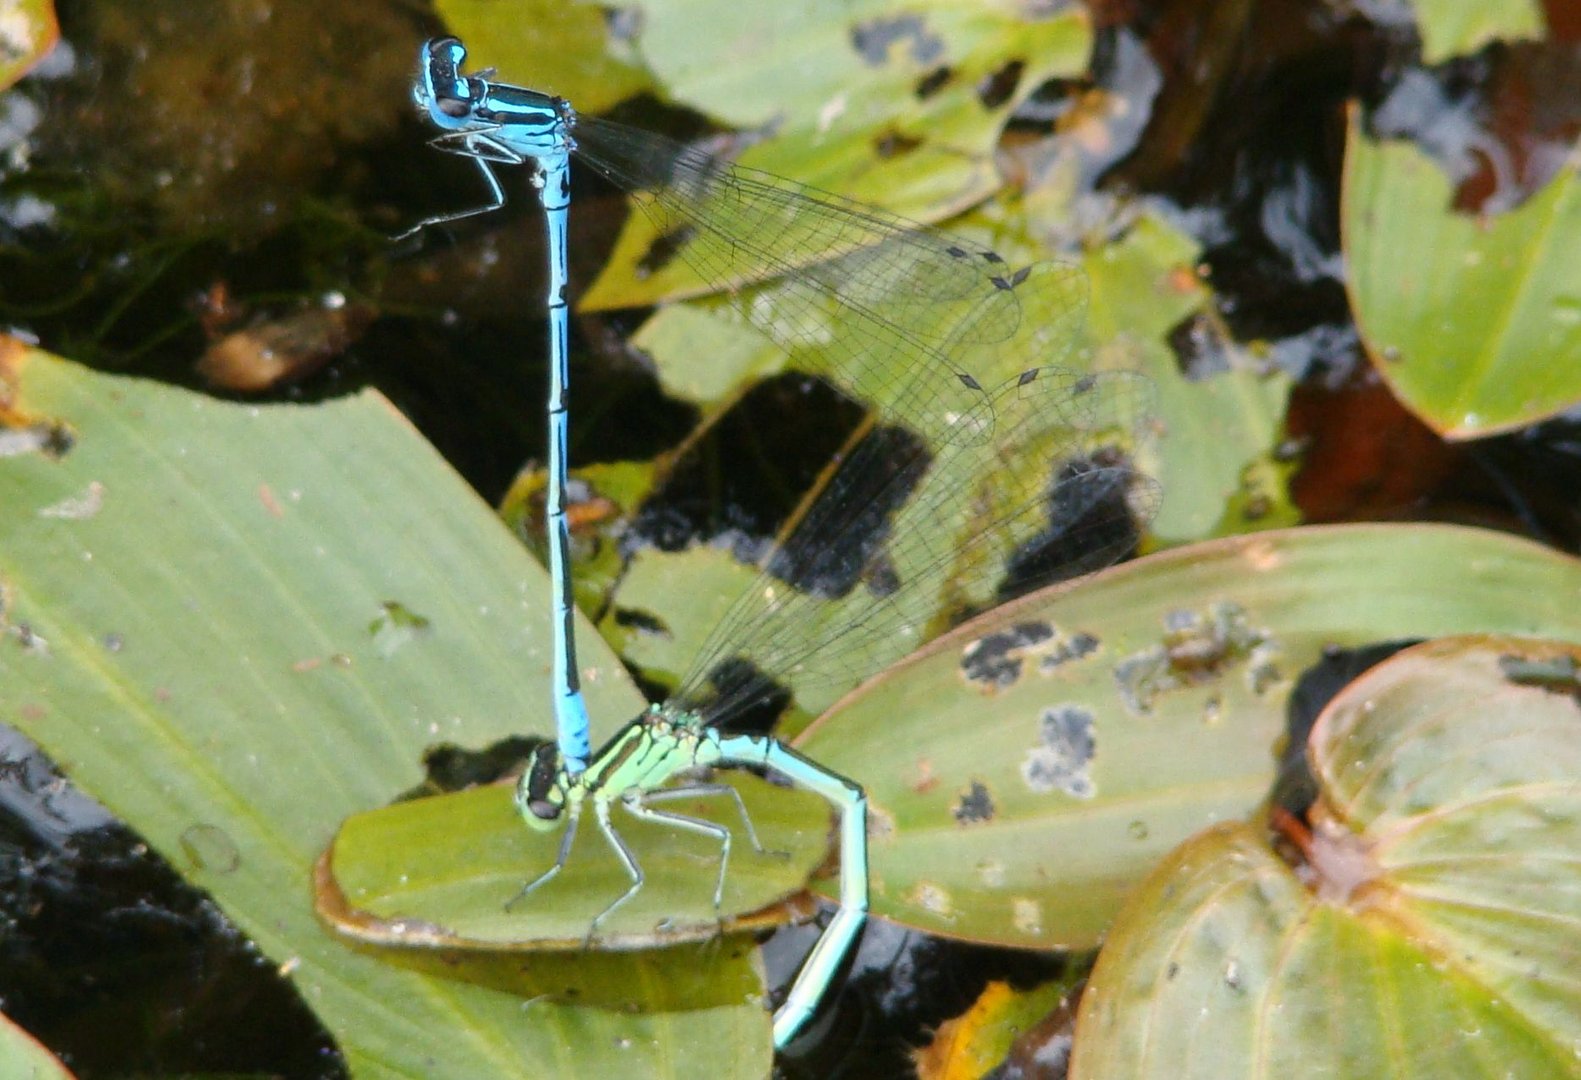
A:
x: 1454, y: 773
x: 1027, y: 770
x: 1474, y: 321
x: 1434, y: 933
x: 191, y: 596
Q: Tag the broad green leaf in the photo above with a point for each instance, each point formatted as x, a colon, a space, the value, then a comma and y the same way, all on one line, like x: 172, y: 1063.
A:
x: 1475, y: 322
x: 22, y: 1058
x: 1027, y: 770
x: 205, y: 588
x: 1434, y: 932
x: 887, y: 103
x: 1454, y: 27
x: 27, y: 32
x: 571, y: 48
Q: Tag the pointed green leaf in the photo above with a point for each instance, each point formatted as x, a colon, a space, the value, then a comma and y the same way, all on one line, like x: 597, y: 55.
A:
x: 678, y: 598
x: 977, y: 1043
x: 203, y: 587
x: 1475, y: 322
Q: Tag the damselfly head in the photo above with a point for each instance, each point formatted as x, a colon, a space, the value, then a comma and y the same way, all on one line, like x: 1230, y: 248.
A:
x: 539, y: 794
x: 440, y: 90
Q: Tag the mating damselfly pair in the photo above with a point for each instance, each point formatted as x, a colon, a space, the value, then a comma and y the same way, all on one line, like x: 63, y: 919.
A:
x: 947, y: 343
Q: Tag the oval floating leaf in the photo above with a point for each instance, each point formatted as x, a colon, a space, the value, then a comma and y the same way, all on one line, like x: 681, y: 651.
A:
x: 405, y: 881
x: 1027, y: 770
x: 397, y: 878
x: 1475, y: 322
x: 1435, y: 933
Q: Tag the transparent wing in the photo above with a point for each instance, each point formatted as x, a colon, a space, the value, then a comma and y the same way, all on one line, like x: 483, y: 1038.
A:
x: 909, y: 533
x: 926, y: 514
x: 883, y: 307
